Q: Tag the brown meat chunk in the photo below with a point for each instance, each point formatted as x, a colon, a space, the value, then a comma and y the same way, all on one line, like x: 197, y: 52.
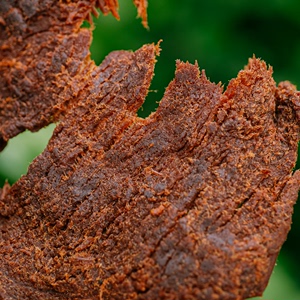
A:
x: 193, y: 202
x: 44, y: 54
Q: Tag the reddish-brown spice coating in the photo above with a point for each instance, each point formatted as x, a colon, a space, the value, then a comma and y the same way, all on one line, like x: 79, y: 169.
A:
x: 193, y: 202
x: 44, y: 54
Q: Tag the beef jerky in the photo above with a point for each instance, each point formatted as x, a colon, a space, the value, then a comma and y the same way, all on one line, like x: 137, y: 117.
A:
x: 193, y: 202
x: 43, y: 53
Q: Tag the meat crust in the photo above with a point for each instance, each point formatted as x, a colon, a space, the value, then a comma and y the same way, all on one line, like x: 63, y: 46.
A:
x: 193, y: 202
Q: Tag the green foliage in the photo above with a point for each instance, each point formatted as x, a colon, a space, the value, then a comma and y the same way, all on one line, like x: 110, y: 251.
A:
x: 221, y: 36
x: 19, y: 153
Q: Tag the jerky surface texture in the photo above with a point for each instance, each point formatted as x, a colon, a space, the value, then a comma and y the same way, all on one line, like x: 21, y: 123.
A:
x: 44, y: 58
x: 193, y: 202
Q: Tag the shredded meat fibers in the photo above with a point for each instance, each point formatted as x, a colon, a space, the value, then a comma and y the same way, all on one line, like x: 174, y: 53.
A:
x: 193, y: 202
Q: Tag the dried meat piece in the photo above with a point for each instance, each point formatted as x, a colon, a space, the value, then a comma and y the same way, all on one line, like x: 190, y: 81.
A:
x: 193, y: 202
x: 142, y: 10
x: 44, y: 53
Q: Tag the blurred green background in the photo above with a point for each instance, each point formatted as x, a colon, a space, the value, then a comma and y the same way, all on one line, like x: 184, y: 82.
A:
x: 221, y: 36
